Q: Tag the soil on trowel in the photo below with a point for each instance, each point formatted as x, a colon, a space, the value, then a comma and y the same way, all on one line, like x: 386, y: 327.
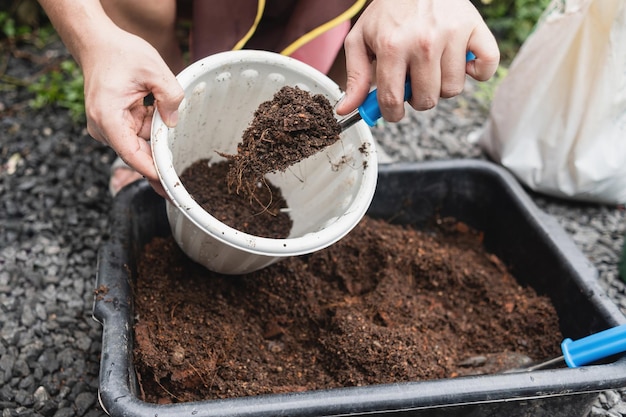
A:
x: 292, y: 126
x: 387, y: 303
x: 206, y: 183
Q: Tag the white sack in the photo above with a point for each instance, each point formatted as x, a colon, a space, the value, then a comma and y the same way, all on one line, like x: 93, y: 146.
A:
x: 558, y: 119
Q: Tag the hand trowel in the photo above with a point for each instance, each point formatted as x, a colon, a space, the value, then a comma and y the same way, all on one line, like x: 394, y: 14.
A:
x: 586, y: 350
x: 370, y: 111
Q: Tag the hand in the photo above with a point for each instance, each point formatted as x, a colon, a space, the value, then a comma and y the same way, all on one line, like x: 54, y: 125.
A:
x: 425, y: 40
x: 119, y: 72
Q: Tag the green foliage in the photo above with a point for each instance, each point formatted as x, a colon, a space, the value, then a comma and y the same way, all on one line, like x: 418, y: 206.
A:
x: 8, y: 26
x: 62, y: 87
x: 511, y: 21
x: 12, y: 33
x: 24, y: 25
x: 21, y: 21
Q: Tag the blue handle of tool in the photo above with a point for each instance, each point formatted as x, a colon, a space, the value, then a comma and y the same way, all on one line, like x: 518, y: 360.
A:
x: 597, y: 346
x: 370, y: 111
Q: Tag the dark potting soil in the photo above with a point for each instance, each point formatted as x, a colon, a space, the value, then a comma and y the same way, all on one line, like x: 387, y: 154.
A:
x: 385, y: 304
x: 207, y: 184
x: 292, y: 126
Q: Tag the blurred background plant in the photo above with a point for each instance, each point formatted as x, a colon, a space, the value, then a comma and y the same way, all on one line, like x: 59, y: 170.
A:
x: 19, y: 19
x: 511, y: 21
x: 53, y: 78
x: 25, y: 32
x: 61, y: 86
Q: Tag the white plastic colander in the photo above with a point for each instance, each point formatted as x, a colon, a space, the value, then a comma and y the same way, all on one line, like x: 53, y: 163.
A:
x: 327, y: 193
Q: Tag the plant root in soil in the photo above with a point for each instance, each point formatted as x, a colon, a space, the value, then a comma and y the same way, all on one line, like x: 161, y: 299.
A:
x: 285, y: 130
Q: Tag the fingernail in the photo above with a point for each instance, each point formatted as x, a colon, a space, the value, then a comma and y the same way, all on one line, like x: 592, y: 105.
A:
x: 173, y: 119
x: 341, y: 98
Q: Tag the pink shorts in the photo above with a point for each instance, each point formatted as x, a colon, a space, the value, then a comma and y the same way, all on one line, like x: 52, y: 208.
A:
x: 321, y: 52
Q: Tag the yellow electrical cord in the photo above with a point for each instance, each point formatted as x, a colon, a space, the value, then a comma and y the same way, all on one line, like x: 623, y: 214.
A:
x: 257, y: 19
x: 307, y: 37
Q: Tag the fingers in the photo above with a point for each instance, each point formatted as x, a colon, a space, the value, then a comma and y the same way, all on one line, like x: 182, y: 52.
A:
x: 168, y: 96
x: 124, y: 122
x: 136, y: 152
x: 126, y: 131
x: 134, y: 149
x: 426, y: 81
x: 453, y: 67
x: 142, y: 114
x: 158, y: 187
x: 425, y: 40
x: 391, y: 74
x: 140, y: 158
x: 483, y: 44
x: 359, y: 73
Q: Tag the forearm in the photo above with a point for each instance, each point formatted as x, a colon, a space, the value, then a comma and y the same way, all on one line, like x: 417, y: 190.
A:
x: 80, y: 24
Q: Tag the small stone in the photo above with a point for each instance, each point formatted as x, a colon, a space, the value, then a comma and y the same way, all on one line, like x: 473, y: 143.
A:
x: 64, y: 412
x: 178, y: 355
x: 24, y: 398
x: 619, y: 408
x: 598, y: 412
x: 612, y: 398
x: 6, y: 393
x: 474, y: 361
x: 41, y: 394
x: 46, y: 408
x: 83, y: 402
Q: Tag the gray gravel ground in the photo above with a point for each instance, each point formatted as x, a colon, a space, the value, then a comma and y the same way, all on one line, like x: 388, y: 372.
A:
x: 54, y: 210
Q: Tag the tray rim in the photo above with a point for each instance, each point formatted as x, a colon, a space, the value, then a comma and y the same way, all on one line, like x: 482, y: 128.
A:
x: 113, y: 311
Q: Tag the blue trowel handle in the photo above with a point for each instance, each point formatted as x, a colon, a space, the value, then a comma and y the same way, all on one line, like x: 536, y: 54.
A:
x: 369, y: 110
x: 592, y: 348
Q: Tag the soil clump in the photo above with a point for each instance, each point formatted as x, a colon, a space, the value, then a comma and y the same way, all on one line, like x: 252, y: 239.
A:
x: 387, y: 303
x: 292, y: 126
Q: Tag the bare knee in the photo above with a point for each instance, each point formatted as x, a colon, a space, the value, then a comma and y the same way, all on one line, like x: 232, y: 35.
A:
x: 145, y: 18
x: 154, y: 21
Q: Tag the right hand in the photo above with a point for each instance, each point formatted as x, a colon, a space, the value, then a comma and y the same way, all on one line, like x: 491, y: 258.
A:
x: 120, y: 69
x: 424, y: 40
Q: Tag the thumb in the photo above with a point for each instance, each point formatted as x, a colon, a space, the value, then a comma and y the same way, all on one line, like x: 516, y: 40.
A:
x: 168, y: 97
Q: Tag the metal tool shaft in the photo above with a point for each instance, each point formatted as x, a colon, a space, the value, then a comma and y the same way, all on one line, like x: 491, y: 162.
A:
x: 350, y: 119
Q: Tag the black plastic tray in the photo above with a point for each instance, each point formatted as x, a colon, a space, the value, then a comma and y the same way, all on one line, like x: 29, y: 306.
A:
x: 479, y: 193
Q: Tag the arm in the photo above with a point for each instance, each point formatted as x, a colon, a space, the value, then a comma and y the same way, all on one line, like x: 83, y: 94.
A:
x: 425, y: 40
x: 119, y: 70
